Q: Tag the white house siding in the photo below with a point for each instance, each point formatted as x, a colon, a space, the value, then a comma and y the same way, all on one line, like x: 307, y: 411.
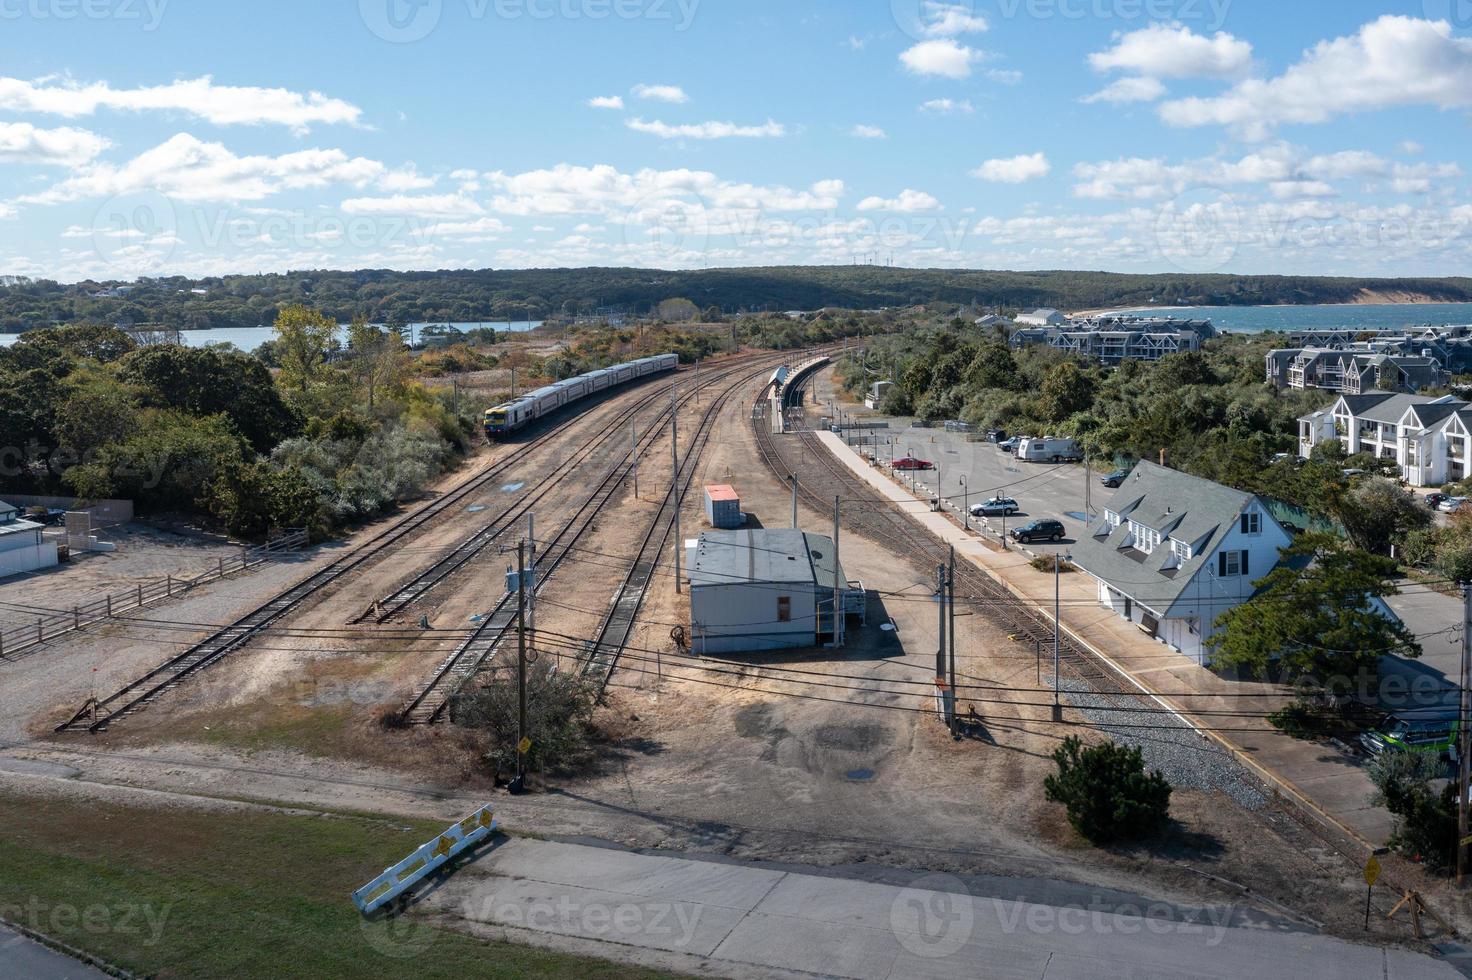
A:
x: 29, y: 557
x: 743, y: 617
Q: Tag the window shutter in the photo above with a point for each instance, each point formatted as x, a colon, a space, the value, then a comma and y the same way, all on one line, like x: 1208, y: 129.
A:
x: 1221, y: 564
x: 1244, y: 524
x: 1244, y: 563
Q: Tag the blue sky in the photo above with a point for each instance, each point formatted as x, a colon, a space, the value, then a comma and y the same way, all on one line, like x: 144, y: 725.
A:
x: 145, y: 137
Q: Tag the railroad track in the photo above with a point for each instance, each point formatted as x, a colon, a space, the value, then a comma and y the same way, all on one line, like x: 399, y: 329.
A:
x: 879, y: 520
x: 469, y: 658
x: 423, y: 582
x: 98, y: 714
x: 602, y: 653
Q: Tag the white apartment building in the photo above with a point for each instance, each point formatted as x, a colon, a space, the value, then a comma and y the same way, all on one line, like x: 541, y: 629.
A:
x: 1430, y: 439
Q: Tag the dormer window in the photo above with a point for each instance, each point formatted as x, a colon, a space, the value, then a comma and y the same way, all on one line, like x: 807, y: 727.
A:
x: 1181, y: 550
x: 1252, y: 522
x: 1112, y: 518
x: 1146, y: 539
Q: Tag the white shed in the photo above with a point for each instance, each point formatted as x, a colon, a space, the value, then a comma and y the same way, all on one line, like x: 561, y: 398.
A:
x: 22, y: 548
x: 764, y: 589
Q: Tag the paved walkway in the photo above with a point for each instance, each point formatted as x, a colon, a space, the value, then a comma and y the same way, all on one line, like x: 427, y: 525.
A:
x: 23, y: 957
x: 730, y: 919
x: 1326, y: 781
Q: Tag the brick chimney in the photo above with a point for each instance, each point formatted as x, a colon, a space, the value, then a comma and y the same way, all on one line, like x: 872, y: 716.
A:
x: 1164, y: 456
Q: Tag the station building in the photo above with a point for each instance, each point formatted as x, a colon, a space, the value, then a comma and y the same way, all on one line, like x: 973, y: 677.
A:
x: 765, y: 589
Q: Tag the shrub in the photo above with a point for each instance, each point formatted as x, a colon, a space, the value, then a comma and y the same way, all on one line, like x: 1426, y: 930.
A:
x: 559, y: 718
x: 1047, y: 563
x: 1107, y: 792
x: 1426, y: 821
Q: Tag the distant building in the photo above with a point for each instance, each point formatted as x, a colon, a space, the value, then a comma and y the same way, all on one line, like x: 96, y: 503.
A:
x: 875, y: 396
x: 1042, y: 318
x: 1353, y: 372
x: 766, y: 589
x: 993, y: 320
x: 1173, y: 552
x: 1114, y: 338
x: 1430, y: 439
x: 22, y: 546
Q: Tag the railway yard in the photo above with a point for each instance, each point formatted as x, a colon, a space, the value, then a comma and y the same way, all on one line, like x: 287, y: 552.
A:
x: 322, y: 683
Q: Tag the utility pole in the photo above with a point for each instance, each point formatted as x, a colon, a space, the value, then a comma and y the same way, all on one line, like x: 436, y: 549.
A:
x: 793, y: 480
x: 1088, y: 485
x: 940, y: 649
x: 675, y: 479
x: 634, y: 454
x: 951, y: 605
x: 837, y: 585
x: 1464, y: 763
x: 519, y: 784
x: 531, y: 596
x: 1057, y: 638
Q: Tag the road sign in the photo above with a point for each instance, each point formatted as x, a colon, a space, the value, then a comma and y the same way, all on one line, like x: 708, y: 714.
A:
x: 1372, y: 871
x: 524, y: 746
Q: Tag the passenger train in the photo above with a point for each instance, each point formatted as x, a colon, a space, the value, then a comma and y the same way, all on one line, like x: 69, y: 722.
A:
x: 535, y: 404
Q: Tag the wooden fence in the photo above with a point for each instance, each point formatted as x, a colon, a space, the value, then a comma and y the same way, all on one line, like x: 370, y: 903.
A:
x: 48, y: 624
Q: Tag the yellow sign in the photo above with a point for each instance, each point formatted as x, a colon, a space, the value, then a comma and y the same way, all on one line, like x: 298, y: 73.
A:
x: 443, y: 847
x: 1466, y: 840
x: 1372, y: 871
x: 524, y: 746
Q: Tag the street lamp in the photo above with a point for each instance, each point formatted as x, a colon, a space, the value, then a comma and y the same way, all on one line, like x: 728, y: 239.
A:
x: 1057, y: 631
x: 965, y: 503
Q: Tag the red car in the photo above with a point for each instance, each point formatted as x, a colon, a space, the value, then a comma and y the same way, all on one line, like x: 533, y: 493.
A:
x: 911, y: 463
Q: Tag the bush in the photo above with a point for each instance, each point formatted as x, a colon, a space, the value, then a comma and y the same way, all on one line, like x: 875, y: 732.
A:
x: 559, y: 718
x: 1426, y: 821
x: 1107, y: 792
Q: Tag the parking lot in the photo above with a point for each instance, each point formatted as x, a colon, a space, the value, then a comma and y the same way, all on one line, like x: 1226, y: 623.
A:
x: 968, y: 473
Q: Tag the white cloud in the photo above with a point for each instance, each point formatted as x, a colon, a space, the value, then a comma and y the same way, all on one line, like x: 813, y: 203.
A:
x: 606, y: 102
x: 944, y: 57
x: 1173, y: 51
x: 482, y: 229
x: 1393, y: 61
x: 948, y: 107
x: 405, y: 179
x: 908, y: 202
x: 423, y: 204
x: 1411, y: 148
x: 1128, y: 90
x: 864, y: 132
x: 605, y: 190
x: 706, y: 130
x: 951, y: 19
x: 23, y: 143
x: 188, y: 169
x: 661, y: 93
x: 223, y: 105
x: 1014, y: 170
x: 1004, y: 76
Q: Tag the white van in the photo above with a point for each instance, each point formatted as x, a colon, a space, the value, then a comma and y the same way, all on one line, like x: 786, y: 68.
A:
x: 1050, y: 450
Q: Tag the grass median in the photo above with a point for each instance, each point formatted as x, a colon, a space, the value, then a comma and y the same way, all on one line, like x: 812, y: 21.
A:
x: 178, y: 892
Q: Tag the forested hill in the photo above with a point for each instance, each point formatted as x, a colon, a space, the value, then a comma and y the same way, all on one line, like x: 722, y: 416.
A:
x: 475, y: 295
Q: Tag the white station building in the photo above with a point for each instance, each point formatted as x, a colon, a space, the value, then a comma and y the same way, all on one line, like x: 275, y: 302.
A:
x: 765, y: 589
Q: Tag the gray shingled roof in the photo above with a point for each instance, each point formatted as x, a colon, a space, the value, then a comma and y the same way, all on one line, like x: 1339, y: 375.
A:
x: 763, y: 555
x: 1179, y: 506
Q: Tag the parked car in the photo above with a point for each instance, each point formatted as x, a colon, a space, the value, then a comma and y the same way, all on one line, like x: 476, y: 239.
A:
x: 912, y: 463
x: 1010, y: 445
x: 1433, y: 500
x: 1451, y: 505
x: 1433, y: 730
x: 1282, y: 457
x: 1050, y: 451
x: 1352, y: 472
x: 1004, y: 506
x: 1116, y: 479
x: 1043, y: 529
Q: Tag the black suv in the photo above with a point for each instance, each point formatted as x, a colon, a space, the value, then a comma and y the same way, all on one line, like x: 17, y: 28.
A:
x: 1039, y: 530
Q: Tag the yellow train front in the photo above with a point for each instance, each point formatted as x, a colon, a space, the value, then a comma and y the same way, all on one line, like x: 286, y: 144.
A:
x: 510, y: 416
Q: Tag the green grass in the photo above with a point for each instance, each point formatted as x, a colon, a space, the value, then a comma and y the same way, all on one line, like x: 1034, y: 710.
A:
x: 186, y: 893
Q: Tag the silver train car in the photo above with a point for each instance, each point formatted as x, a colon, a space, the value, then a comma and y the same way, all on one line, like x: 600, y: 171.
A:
x: 533, y: 405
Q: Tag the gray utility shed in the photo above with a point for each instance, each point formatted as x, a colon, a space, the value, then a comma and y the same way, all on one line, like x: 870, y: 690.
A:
x: 764, y: 589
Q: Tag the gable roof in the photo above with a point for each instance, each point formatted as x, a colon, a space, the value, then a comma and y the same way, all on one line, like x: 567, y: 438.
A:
x: 1179, y: 506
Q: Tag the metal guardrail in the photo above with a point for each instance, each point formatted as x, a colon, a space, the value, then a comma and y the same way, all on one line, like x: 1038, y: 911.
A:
x: 51, y: 623
x: 425, y: 861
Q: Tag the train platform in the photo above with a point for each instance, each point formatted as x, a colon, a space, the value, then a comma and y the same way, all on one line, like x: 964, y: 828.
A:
x: 1230, y: 713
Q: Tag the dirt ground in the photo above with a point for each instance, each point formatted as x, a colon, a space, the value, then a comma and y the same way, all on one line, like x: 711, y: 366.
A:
x: 810, y: 757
